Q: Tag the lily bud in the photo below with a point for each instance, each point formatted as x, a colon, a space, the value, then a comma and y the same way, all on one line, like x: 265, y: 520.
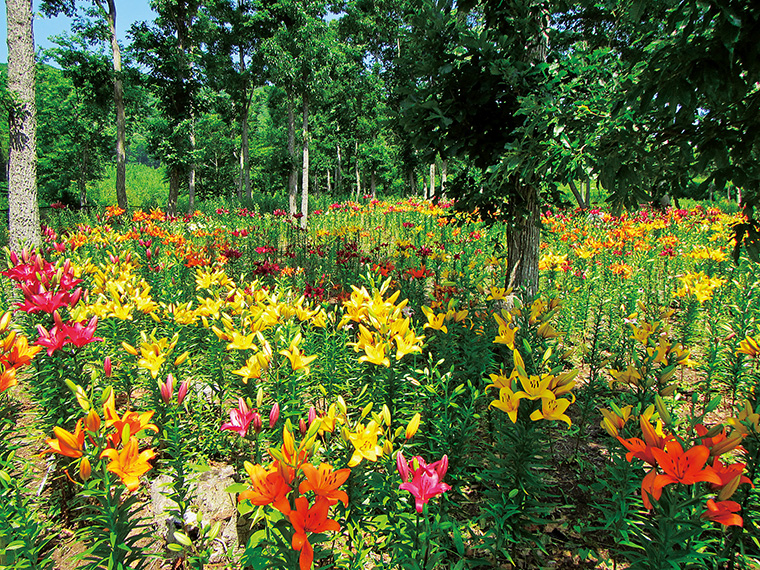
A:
x: 413, y: 425
x: 92, y: 421
x: 129, y: 348
x: 181, y: 358
x: 256, y: 422
x: 107, y: 366
x: 182, y: 391
x: 85, y: 469
x: 259, y: 397
x: 302, y: 427
x: 274, y: 415
x: 312, y: 415
x: 167, y: 389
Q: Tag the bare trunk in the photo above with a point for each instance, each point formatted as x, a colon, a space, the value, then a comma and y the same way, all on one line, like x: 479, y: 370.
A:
x: 305, y: 173
x: 245, y: 163
x: 578, y: 196
x: 373, y: 184
x: 432, y: 181
x: 293, y: 176
x: 82, y: 182
x: 24, y: 213
x: 338, y: 171
x: 193, y: 168
x: 524, y: 241
x: 329, y: 186
x: 444, y: 176
x: 412, y: 182
x: 118, y: 99
x: 356, y: 171
x: 588, y: 192
x: 175, y: 176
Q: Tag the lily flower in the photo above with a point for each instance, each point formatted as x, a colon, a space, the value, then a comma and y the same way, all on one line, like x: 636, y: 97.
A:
x: 305, y: 519
x: 365, y: 443
x: 723, y: 512
x: 267, y: 487
x: 426, y: 480
x: 128, y: 464
x: 67, y: 443
x: 324, y: 482
x: 508, y: 402
x: 240, y: 418
x: 79, y: 335
x: 553, y: 409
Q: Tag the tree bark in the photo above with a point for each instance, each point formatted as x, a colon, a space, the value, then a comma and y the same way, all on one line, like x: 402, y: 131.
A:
x: 245, y: 163
x: 356, y: 171
x: 305, y: 173
x: 444, y: 176
x: 24, y: 212
x: 118, y: 99
x: 578, y: 196
x: 432, y: 181
x: 193, y: 168
x: 524, y: 241
x: 175, y: 176
x: 293, y: 176
x: 329, y: 186
x: 338, y: 171
x: 373, y: 184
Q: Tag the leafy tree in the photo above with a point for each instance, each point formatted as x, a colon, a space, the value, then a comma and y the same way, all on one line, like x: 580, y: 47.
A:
x: 474, y: 66
x: 68, y: 7
x: 74, y: 107
x: 168, y: 50
x: 233, y: 63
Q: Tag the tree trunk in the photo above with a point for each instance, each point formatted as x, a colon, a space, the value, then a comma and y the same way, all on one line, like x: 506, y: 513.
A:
x: 412, y: 182
x: 432, y: 181
x: 245, y: 163
x: 118, y: 99
x: 329, y: 186
x: 82, y: 182
x: 24, y: 212
x: 338, y: 172
x: 524, y: 241
x: 193, y: 168
x: 578, y: 196
x: 588, y: 192
x: 356, y: 171
x: 175, y: 176
x: 444, y: 175
x: 373, y: 183
x: 305, y: 173
x: 293, y: 176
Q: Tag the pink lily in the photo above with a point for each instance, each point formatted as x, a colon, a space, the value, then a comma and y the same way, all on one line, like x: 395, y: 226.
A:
x: 240, y: 418
x: 426, y: 479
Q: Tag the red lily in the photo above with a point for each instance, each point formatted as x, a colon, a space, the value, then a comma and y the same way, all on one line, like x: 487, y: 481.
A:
x: 240, y: 418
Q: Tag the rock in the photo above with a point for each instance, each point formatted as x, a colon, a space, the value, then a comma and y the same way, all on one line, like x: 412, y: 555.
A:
x: 209, y: 500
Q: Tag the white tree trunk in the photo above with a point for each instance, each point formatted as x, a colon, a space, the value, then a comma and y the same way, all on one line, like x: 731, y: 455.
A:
x: 24, y: 213
x: 305, y: 173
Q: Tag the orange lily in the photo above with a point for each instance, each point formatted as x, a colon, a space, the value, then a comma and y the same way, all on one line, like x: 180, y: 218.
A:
x: 687, y: 467
x: 723, y: 512
x: 7, y: 379
x: 325, y: 482
x: 127, y: 425
x: 267, y: 487
x: 128, y: 464
x: 305, y: 519
x: 66, y: 443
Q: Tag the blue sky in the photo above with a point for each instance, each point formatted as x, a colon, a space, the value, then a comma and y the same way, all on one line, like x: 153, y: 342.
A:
x: 127, y: 12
